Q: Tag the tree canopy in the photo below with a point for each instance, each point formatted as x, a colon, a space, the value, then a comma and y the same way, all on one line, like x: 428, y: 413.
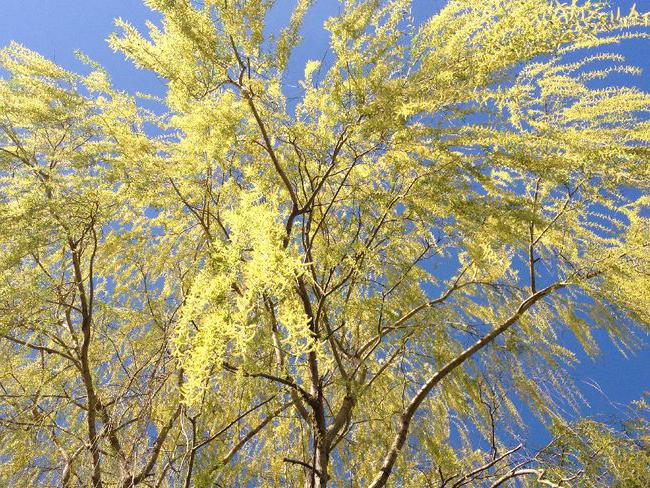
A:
x: 365, y: 286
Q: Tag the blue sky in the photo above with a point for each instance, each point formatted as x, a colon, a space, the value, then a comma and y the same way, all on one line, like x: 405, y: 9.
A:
x: 56, y: 28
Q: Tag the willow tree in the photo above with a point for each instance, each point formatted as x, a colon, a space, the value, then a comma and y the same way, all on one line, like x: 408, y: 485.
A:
x: 363, y: 287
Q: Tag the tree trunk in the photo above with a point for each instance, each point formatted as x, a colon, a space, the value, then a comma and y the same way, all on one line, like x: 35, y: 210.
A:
x: 318, y: 476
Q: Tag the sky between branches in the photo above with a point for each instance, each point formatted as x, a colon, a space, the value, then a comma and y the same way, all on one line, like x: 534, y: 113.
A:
x: 56, y: 28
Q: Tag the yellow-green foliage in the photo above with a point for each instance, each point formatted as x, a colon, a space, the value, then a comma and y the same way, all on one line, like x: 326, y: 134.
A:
x: 241, y: 285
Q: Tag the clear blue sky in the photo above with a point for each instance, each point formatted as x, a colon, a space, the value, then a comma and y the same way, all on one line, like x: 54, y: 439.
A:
x: 56, y: 28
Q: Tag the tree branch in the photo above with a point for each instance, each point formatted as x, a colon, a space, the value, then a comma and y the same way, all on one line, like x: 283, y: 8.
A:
x: 400, y: 437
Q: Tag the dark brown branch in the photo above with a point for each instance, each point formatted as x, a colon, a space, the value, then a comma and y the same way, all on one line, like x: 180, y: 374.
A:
x: 469, y: 476
x: 283, y: 381
x: 230, y: 424
x: 148, y: 467
x: 303, y: 464
x: 48, y: 350
x: 253, y: 432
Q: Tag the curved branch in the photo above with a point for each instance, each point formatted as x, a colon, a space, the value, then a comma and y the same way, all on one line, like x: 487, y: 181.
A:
x: 537, y: 472
x: 438, y: 376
